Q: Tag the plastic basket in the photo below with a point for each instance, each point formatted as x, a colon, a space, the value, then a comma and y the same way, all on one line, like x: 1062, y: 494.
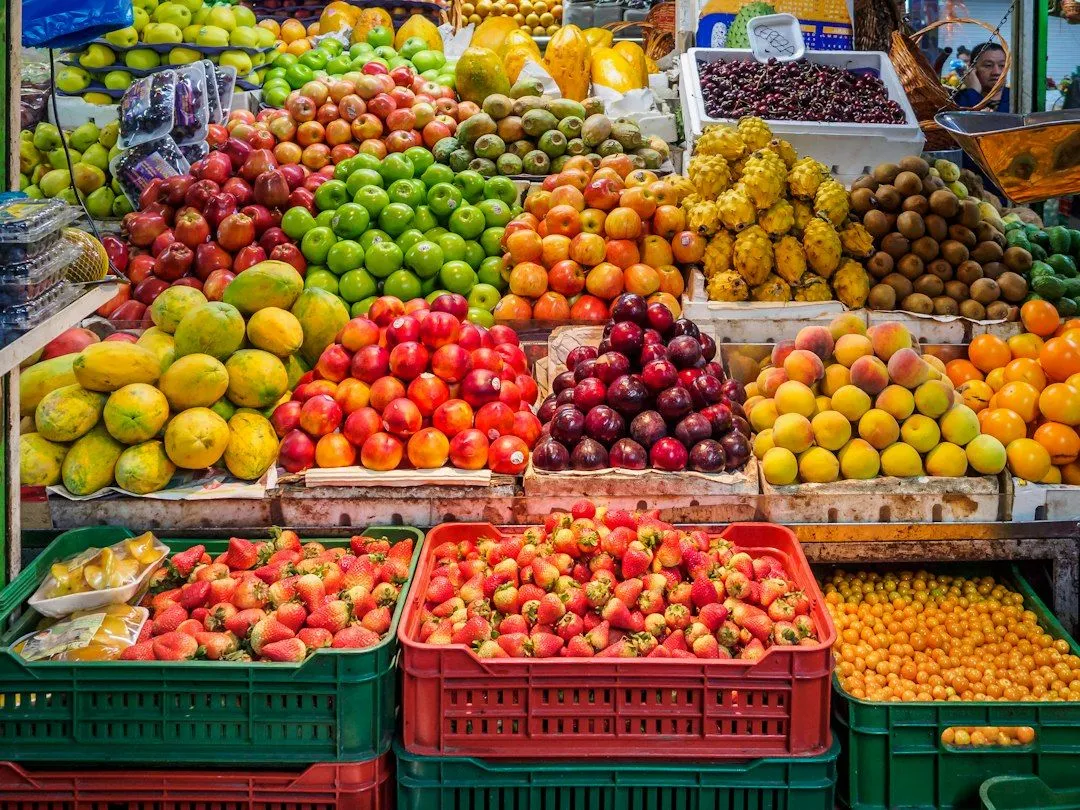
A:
x: 803, y: 783
x: 892, y: 754
x: 455, y: 704
x: 326, y: 786
x: 1025, y: 793
x: 335, y: 706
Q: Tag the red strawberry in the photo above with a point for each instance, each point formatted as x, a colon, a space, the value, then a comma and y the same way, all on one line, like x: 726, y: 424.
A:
x: 377, y: 620
x: 615, y: 518
x: 660, y: 652
x: 386, y: 594
x: 315, y: 637
x: 616, y: 613
x: 282, y: 591
x: 569, y: 625
x: 271, y: 572
x: 143, y: 651
x: 215, y: 646
x: 675, y: 641
x: 574, y: 600
x: 669, y: 555
x: 394, y: 570
x: 221, y: 590
x: 169, y: 619
x: 682, y: 594
x: 174, y: 647
x: 490, y: 649
x: 242, y: 621
x: 703, y: 592
x: 697, y: 564
x: 284, y: 557
x: 545, y: 645
x: 475, y: 629
x: 588, y: 539
x: 620, y: 649
x: 211, y: 572
x: 753, y: 619
x: 354, y: 637
x: 564, y: 541
x: 267, y: 631
x: 544, y: 574
x: 636, y: 560
x: 597, y: 593
x: 250, y: 593
x: 712, y: 616
x: 728, y: 634
x: 190, y: 627
x: 550, y: 609
x: 311, y: 591
x: 737, y: 584
x: 360, y: 601
x: 637, y: 621
x: 513, y: 644
x: 743, y: 563
x: 771, y: 590
x: 183, y: 563
x: 706, y: 647
x: 332, y: 616
x: 242, y: 554
x: 781, y: 611
x: 289, y: 650
x: 805, y: 627
x: 578, y: 647
x: 583, y: 509
x: 285, y: 539
x: 656, y: 625
x: 145, y: 632
x: 599, y: 637
x: 160, y: 601
x: 753, y: 651
x: 629, y: 590
x: 194, y: 594
x: 360, y: 572
x: 651, y: 602
x: 292, y: 615
x: 401, y: 550
x: 677, y: 617
x: 312, y: 548
x: 515, y: 623
x: 800, y: 601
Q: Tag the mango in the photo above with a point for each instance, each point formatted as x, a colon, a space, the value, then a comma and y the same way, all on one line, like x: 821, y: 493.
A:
x: 256, y: 378
x: 276, y: 331
x: 295, y: 368
x: 161, y: 343
x: 986, y: 455
x: 195, y: 380
x: 321, y: 314
x: 172, y: 305
x: 818, y: 466
x: 266, y: 284
x: 67, y: 413
x: 136, y: 413
x: 90, y: 462
x: 41, y: 378
x: 144, y: 468
x: 112, y: 364
x: 252, y: 447
x: 40, y: 460
x: 792, y: 431
x: 831, y: 429
x: 947, y: 460
x: 196, y: 438
x: 215, y: 328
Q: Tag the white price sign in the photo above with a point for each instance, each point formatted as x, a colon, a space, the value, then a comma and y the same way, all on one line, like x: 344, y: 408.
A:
x: 775, y: 36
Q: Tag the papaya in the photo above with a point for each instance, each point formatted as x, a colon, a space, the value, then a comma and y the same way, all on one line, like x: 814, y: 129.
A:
x: 650, y: 65
x: 276, y: 331
x: 172, y: 305
x: 635, y: 57
x: 515, y: 60
x: 90, y: 462
x: 196, y: 438
x: 321, y: 314
x: 40, y: 460
x: 370, y: 18
x: 224, y: 409
x: 135, y: 413
x: 41, y: 378
x: 113, y: 364
x: 419, y: 26
x: 520, y: 36
x: 67, y: 413
x: 256, y: 378
x: 295, y: 368
x: 144, y: 468
x: 215, y: 328
x: 492, y: 34
x: 196, y: 380
x: 159, y: 342
x: 565, y: 57
x: 252, y: 447
x: 479, y: 74
x: 599, y: 37
x: 610, y: 70
x: 266, y: 284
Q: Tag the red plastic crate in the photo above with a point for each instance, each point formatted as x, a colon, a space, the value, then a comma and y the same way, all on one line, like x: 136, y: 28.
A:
x: 456, y: 704
x: 325, y: 786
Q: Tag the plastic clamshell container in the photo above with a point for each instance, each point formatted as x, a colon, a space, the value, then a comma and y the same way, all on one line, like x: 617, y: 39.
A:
x: 456, y: 704
x: 29, y: 227
x: 777, y: 783
x: 1025, y: 793
x: 324, y: 786
x: 24, y: 281
x: 336, y: 706
x: 58, y: 606
x: 21, y: 318
x: 892, y: 755
x: 848, y: 149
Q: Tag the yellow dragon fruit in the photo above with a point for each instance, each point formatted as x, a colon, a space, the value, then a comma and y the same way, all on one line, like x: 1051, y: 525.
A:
x: 718, y: 253
x: 703, y: 217
x: 803, y: 214
x: 722, y: 140
x: 710, y: 175
x: 737, y: 210
x: 851, y: 283
x: 812, y: 287
x: 790, y: 259
x: 762, y: 182
x: 755, y: 132
x: 805, y: 177
x: 778, y: 218
x: 773, y: 288
x: 785, y: 150
x: 831, y: 202
x: 728, y: 286
x: 753, y: 255
x: 856, y: 240
x: 822, y: 246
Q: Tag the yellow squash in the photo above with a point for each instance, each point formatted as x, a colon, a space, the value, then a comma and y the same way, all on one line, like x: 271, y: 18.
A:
x: 567, y: 60
x: 632, y: 53
x: 610, y: 70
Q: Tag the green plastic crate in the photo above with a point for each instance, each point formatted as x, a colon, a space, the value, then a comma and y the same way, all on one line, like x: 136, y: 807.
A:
x: 892, y: 755
x: 336, y: 706
x: 1025, y: 793
x: 463, y: 783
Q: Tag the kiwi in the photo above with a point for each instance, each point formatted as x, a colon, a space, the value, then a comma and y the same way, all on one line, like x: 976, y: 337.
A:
x: 865, y: 181
x: 987, y: 252
x: 896, y: 245
x: 998, y: 311
x: 888, y: 198
x: 880, y: 264
x: 957, y: 290
x: 914, y: 164
x: 877, y: 223
x: 1017, y: 259
x: 993, y: 270
x: 969, y: 213
x: 985, y: 291
x: 954, y: 252
x: 1013, y: 287
x: 930, y: 285
x: 926, y: 248
x: 862, y: 200
x: 899, y: 283
x: 910, y: 266
x: 940, y: 268
x: 944, y: 305
x: 910, y: 225
x: 936, y: 227
x: 917, y: 203
x: 882, y: 296
x: 962, y: 234
x: 985, y: 232
x: 886, y: 172
x: 931, y: 184
x: 944, y: 203
x: 917, y: 303
x: 908, y: 183
x: 969, y: 272
x: 973, y: 309
x: 890, y: 217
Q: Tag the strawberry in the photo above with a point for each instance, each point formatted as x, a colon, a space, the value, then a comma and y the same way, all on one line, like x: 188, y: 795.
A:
x: 706, y: 647
x: 669, y: 554
x: 377, y: 620
x: 574, y: 600
x: 616, y: 541
x: 675, y: 641
x: 660, y: 652
x: 784, y: 634
x: 386, y: 594
x: 474, y: 630
x: 515, y: 623
x: 557, y: 520
x: 200, y: 614
x: 360, y: 572
x: 737, y: 584
x: 285, y: 539
x: 529, y: 609
x: 292, y: 615
x: 267, y: 631
x: 753, y: 651
x: 677, y: 617
x: 271, y: 572
x: 215, y: 646
x: 781, y: 611
x: 712, y: 616
x: 615, y: 518
x: 143, y: 651
x: 695, y: 631
x: 743, y: 563
x: 190, y: 627
x: 513, y: 644
x: 354, y: 637
x: 544, y: 574
x: 569, y: 625
x: 656, y: 625
x: 282, y: 591
x: 681, y: 594
x: 401, y: 550
x: 629, y: 590
x: 597, y: 593
x: 311, y: 591
x: 800, y: 601
x: 564, y: 541
x: 651, y: 602
x: 616, y: 613
x: 771, y: 590
x: 697, y: 564
x: 284, y: 557
x: 209, y: 573
x: 168, y: 620
x: 583, y: 509
x: 315, y: 637
x: 578, y: 647
x: 550, y: 609
x: 242, y: 621
x: 753, y: 619
x: 449, y: 607
x: 162, y: 600
x: 620, y: 649
x: 368, y: 545
x: 505, y: 598
x: 545, y: 645
x: 242, y: 554
x: 145, y: 632
x: 290, y: 650
x: 636, y: 561
x: 644, y: 643
x: 602, y: 562
x: 804, y: 625
x: 753, y: 594
x: 194, y: 594
x: 392, y: 570
x: 250, y: 593
x: 312, y: 549
x: 332, y: 616
x: 637, y: 621
x: 490, y: 649
x: 183, y: 563
x: 703, y: 592
x: 361, y: 601
x: 599, y: 636
x: 174, y: 647
x: 221, y: 590
x: 588, y: 539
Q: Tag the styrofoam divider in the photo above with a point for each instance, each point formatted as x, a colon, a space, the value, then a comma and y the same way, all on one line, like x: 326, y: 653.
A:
x: 945, y: 328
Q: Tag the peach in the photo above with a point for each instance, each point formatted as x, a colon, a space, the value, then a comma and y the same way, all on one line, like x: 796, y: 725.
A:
x: 780, y: 352
x: 852, y: 402
x: 383, y: 391
x: 858, y: 460
x: 870, y: 374
x: 763, y: 416
x: 947, y: 460
x: 804, y: 366
x: 792, y: 431
x: 936, y: 364
x: 358, y: 333
x: 381, y: 452
x: 933, y: 398
x: 921, y: 432
x: 795, y: 397
x: 428, y: 392
x: 850, y: 348
x: 836, y: 377
x: 878, y: 428
x: 402, y: 417
x: 831, y: 429
x: 818, y: 466
x: 352, y: 395
x: 360, y: 424
x: 428, y: 449
x: 469, y: 450
x: 334, y: 450
x: 896, y: 401
x: 907, y: 368
x: 889, y: 338
x: 822, y: 403
x: 816, y: 339
x: 901, y: 460
x: 771, y: 380
x: 847, y: 324
x: 452, y: 417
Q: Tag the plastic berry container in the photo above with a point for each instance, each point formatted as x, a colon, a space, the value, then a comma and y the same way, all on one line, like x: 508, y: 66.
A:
x: 22, y: 282
x: 18, y: 320
x: 30, y: 227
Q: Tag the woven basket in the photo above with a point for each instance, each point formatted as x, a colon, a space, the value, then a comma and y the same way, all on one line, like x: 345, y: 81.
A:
x: 1070, y: 10
x: 657, y: 30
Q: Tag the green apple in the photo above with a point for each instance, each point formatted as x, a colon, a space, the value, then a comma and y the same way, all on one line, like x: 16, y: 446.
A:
x: 99, y: 203
x: 356, y: 285
x: 121, y: 38
x: 237, y: 59
x: 118, y: 80
x: 147, y: 5
x: 276, y: 95
x: 412, y: 46
x: 200, y: 15
x: 212, y: 35
x: 265, y: 37
x: 109, y: 134
x: 184, y: 56
x: 141, y: 59
x: 244, y: 16
x: 55, y: 181
x: 244, y: 38
x: 222, y: 17
x: 385, y: 52
x: 84, y: 135
x: 141, y: 19
x: 172, y: 12
x: 72, y: 79
x: 162, y: 33
x: 97, y: 55
x: 403, y: 285
x: 484, y: 296
x: 428, y: 60
x: 46, y: 137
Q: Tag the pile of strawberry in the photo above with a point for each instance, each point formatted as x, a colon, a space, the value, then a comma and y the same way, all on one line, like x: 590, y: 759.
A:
x: 611, y: 583
x: 277, y: 600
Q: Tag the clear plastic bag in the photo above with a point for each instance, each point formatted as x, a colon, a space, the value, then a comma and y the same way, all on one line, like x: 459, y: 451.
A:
x: 213, y: 97
x: 148, y: 109
x: 191, y: 114
x: 195, y: 151
x: 86, y: 635
x: 226, y: 82
x: 135, y: 168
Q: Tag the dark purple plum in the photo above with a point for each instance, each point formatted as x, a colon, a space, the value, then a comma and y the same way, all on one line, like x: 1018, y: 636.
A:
x: 685, y: 326
x: 626, y: 454
x: 736, y: 450
x: 652, y: 336
x: 735, y: 391
x: 660, y: 318
x: 578, y: 354
x: 589, y: 455
x: 563, y: 381
x: 565, y: 397
x: 719, y: 417
x: 669, y: 455
x: 653, y: 351
x: 550, y: 455
x: 674, y: 403
x: 693, y: 429
x: 546, y: 409
x: 610, y: 366
x: 708, y: 346
x: 585, y: 369
x: 714, y: 368
x: 628, y: 395
x: 706, y: 390
x: 688, y: 375
x: 707, y: 456
x: 684, y: 351
x: 604, y: 347
x: 647, y: 428
x: 736, y: 408
x: 741, y: 425
x: 605, y: 424
x: 659, y: 375
x: 630, y: 307
x: 568, y: 425
x: 627, y: 338
x: 589, y: 393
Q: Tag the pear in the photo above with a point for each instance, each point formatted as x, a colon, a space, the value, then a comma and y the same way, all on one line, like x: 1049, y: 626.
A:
x: 24, y: 181
x: 33, y: 192
x: 199, y: 17
x: 46, y: 136
x: 114, y: 150
x: 58, y: 158
x: 72, y: 80
x: 29, y: 157
x: 97, y: 155
x: 222, y: 17
x: 122, y: 38
x: 120, y: 206
x: 68, y: 196
x: 54, y: 182
x: 97, y: 55
x: 99, y: 203
x: 40, y: 171
x: 265, y: 37
x: 237, y: 59
x: 116, y: 187
x: 191, y: 5
x: 244, y: 16
x: 190, y: 33
x: 84, y: 135
x: 146, y: 5
x: 88, y: 178
x: 172, y: 13
x: 103, y: 99
x: 243, y: 38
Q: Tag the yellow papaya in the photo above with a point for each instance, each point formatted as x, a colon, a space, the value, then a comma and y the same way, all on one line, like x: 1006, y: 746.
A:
x: 492, y: 33
x: 635, y: 57
x: 90, y: 462
x: 67, y: 413
x: 516, y: 57
x: 40, y: 460
x: 599, y: 37
x: 651, y: 65
x: 610, y: 70
x: 519, y: 36
x: 419, y: 26
x: 566, y: 57
x: 41, y: 378
x: 252, y: 447
x: 480, y: 74
x: 370, y: 18
x: 113, y: 364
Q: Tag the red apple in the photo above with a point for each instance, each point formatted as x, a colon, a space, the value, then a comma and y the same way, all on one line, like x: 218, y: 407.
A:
x: 236, y: 231
x: 219, y: 206
x: 162, y: 241
x: 174, y: 262
x: 248, y: 256
x: 209, y: 257
x: 215, y: 284
x: 286, y: 417
x: 70, y: 341
x: 360, y: 424
x: 146, y: 291
x: 140, y: 267
x: 260, y: 216
x: 218, y: 166
x: 191, y: 228
x: 290, y: 254
x: 144, y: 228
x: 128, y: 312
x: 174, y: 188
x: 272, y: 237
x: 302, y: 198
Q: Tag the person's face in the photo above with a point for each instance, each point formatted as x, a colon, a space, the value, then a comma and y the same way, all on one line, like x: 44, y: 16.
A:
x: 989, y: 67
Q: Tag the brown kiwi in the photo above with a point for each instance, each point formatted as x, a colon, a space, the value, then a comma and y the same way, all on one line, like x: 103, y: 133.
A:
x: 899, y: 283
x: 882, y: 296
x: 908, y: 183
x: 955, y: 253
x: 926, y: 248
x: 877, y: 223
x: 930, y: 184
x: 910, y: 266
x: 864, y: 181
x: 917, y: 203
x: 936, y: 227
x: 910, y: 225
x: 886, y: 172
x: 929, y: 285
x: 888, y: 198
x: 998, y: 311
x: 985, y: 291
x: 917, y: 303
x: 993, y: 269
x: 969, y: 272
x: 862, y: 200
x: 944, y: 203
x: 969, y: 213
x: 890, y: 217
x: 973, y: 309
x: 940, y: 268
x: 895, y: 245
x: 914, y: 164
x: 1013, y: 287
x: 957, y: 290
x: 962, y: 234
x: 880, y: 264
x: 987, y: 252
x: 1017, y: 259
x: 943, y: 305
x: 985, y: 232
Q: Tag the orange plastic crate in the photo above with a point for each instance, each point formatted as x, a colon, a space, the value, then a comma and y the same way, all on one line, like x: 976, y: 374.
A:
x: 456, y: 704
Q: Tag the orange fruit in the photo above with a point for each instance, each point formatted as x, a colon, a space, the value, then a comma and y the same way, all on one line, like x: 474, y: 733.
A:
x: 996, y: 378
x: 292, y: 30
x: 1003, y: 424
x: 313, y: 30
x: 1021, y: 397
x: 299, y: 46
x: 1025, y: 345
x: 988, y: 352
x: 960, y: 371
x: 1060, y: 357
x: 1053, y: 476
x: 1028, y: 459
x: 1071, y: 323
x: 1070, y: 473
x: 1040, y: 318
x: 976, y: 394
x: 1074, y: 381
x: 1060, y: 441
x: 1060, y: 402
x: 1025, y: 369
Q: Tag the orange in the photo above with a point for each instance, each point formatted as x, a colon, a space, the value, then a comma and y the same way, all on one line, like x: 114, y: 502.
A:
x: 1025, y: 345
x: 1026, y: 370
x: 1070, y: 473
x: 976, y: 394
x: 1028, y: 459
x: 996, y: 378
x: 1060, y: 402
x: 1060, y: 441
x: 988, y: 352
x: 292, y: 30
x: 960, y: 371
x: 271, y: 26
x: 1021, y: 397
x: 299, y: 46
x: 1003, y: 424
x: 1074, y: 381
x: 1071, y: 323
x: 1060, y: 357
x: 1040, y: 318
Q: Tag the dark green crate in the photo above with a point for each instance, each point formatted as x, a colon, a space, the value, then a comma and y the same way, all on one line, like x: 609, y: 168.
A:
x: 892, y: 755
x: 463, y: 783
x: 336, y: 706
x: 1025, y: 793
